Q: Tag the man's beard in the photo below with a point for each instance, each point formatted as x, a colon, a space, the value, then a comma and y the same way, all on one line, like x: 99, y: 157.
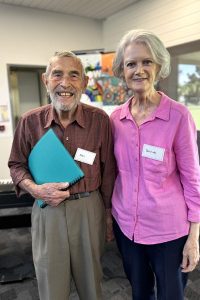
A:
x: 59, y: 106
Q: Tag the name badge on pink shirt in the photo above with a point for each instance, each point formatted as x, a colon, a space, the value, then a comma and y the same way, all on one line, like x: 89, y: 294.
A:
x: 153, y: 152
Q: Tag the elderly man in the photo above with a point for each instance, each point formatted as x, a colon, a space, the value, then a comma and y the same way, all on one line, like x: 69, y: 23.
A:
x: 68, y: 234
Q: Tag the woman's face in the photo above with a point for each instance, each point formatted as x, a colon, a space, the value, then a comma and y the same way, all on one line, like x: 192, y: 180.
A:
x: 140, y: 70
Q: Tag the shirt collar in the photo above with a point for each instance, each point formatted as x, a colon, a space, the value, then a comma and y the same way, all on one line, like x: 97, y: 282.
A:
x: 51, y: 116
x: 125, y: 111
x: 162, y: 112
x: 79, y: 115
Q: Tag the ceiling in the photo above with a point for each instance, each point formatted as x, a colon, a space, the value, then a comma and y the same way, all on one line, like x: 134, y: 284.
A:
x: 96, y: 9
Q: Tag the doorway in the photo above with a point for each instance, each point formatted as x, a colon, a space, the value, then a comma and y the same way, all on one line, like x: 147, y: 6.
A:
x: 26, y: 89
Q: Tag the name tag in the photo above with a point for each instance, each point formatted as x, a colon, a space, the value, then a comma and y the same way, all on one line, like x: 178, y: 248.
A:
x: 153, y: 152
x: 85, y: 156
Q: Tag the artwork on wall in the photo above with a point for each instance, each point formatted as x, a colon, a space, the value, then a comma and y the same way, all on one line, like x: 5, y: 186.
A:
x: 103, y: 88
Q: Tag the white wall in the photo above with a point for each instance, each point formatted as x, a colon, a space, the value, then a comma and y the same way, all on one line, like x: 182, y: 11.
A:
x: 174, y: 21
x: 30, y: 37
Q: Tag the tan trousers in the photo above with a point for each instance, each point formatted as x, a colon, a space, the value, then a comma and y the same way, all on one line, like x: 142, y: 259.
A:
x: 68, y: 241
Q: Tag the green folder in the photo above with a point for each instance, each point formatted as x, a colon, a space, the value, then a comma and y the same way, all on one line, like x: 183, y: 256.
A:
x: 49, y: 161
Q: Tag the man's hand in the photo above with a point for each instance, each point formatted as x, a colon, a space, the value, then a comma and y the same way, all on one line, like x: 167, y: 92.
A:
x: 51, y: 193
x: 109, y: 226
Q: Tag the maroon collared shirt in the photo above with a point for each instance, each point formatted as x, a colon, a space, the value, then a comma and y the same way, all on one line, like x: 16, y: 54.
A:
x: 89, y: 130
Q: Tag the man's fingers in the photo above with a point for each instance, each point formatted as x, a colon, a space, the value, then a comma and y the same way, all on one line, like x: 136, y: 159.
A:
x: 63, y: 186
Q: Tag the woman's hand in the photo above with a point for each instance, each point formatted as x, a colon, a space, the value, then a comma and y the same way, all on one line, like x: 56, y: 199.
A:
x: 191, y: 249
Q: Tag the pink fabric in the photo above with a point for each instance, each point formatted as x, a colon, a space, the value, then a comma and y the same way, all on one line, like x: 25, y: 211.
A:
x: 153, y: 201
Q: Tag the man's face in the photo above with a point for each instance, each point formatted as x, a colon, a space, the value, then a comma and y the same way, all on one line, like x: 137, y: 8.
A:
x: 65, y: 83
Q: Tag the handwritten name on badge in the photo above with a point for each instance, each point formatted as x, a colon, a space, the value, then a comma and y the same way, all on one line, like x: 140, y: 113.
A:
x: 85, y: 156
x: 153, y: 152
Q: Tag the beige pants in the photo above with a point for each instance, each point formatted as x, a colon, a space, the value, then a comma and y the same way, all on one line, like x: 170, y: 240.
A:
x: 68, y: 241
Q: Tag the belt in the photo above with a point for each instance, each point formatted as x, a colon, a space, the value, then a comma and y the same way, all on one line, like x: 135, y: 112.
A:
x: 78, y: 196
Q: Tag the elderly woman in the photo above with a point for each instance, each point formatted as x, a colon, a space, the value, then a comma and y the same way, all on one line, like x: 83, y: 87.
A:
x: 156, y: 198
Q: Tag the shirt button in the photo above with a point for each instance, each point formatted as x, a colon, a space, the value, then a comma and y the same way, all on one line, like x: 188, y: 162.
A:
x: 67, y: 138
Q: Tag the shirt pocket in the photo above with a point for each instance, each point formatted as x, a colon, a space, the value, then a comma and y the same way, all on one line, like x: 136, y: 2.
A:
x: 154, y: 170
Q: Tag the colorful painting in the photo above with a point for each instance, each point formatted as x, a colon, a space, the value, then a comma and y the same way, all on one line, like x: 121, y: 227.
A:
x: 103, y: 87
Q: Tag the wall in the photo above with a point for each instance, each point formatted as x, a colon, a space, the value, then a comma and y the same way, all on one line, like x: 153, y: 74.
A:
x: 30, y: 37
x: 174, y: 21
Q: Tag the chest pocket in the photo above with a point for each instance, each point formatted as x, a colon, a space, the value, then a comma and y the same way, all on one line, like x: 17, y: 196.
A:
x: 155, y: 170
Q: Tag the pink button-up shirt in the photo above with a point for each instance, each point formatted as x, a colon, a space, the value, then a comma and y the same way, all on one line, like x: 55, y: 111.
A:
x: 157, y: 190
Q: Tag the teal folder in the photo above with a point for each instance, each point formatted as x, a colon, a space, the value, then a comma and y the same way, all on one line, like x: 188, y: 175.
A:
x: 49, y: 161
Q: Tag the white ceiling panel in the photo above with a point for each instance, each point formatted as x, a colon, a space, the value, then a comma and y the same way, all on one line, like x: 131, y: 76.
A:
x: 96, y: 9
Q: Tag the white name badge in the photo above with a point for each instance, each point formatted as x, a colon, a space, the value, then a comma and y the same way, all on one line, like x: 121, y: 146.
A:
x: 85, y: 156
x: 153, y: 152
